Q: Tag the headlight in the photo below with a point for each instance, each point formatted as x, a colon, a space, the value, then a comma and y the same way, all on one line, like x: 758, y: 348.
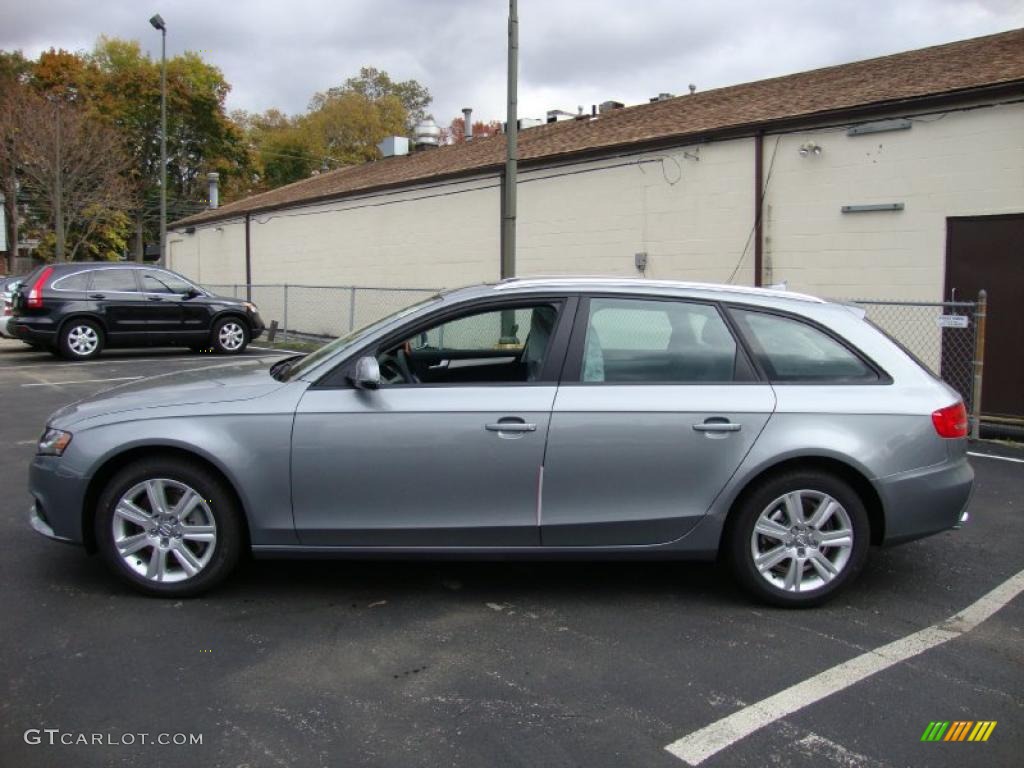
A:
x: 53, y: 442
x: 250, y: 306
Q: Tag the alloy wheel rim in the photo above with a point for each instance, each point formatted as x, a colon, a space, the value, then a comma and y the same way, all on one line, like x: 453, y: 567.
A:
x: 802, y: 541
x: 164, y: 530
x: 231, y: 336
x: 83, y: 340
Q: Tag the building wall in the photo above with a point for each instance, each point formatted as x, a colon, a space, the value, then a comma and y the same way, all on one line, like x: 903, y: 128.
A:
x: 959, y: 164
x: 689, y: 208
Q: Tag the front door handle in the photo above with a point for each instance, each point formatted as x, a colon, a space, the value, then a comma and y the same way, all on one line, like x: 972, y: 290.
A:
x: 511, y: 425
x: 712, y: 425
x: 97, y: 295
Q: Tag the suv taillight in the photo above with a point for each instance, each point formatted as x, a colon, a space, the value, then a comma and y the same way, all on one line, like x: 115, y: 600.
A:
x: 34, y: 300
x: 951, y: 421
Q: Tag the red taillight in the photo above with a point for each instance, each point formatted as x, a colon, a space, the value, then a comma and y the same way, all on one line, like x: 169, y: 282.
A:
x: 951, y: 421
x: 35, y: 295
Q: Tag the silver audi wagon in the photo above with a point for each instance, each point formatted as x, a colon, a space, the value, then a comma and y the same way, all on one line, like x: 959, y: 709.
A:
x: 551, y: 418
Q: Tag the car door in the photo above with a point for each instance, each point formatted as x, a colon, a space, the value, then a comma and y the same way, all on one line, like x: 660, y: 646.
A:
x: 121, y: 305
x: 174, y: 318
x: 657, y: 408
x: 449, y: 457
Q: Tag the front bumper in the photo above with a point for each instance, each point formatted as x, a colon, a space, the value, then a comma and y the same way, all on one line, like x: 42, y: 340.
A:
x: 256, y: 325
x: 925, y: 501
x: 39, y: 524
x: 58, y: 495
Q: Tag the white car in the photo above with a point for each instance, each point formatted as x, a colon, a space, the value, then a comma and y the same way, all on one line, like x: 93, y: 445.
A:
x: 9, y: 286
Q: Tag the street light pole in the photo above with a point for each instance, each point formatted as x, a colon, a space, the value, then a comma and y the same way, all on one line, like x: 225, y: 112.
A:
x: 158, y: 23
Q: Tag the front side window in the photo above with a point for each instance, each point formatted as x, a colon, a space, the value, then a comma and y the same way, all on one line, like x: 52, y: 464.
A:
x: 793, y: 351
x: 155, y: 281
x: 654, y: 341
x: 491, y: 347
x: 114, y: 280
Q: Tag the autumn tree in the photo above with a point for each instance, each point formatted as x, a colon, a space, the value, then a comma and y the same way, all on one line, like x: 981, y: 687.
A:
x: 455, y: 133
x: 14, y: 70
x: 75, y: 170
x: 375, y: 84
x: 125, y: 92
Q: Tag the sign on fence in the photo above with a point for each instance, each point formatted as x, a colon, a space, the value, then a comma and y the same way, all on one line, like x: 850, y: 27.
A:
x: 952, y: 321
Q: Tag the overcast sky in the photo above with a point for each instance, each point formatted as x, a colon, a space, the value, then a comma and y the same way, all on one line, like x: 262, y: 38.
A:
x: 277, y: 53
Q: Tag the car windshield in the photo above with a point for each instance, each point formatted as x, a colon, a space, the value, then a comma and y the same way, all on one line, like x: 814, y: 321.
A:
x: 307, y: 362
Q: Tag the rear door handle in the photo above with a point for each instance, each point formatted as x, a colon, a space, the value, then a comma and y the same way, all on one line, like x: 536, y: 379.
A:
x: 97, y: 295
x: 717, y: 426
x: 512, y: 425
x: 154, y: 298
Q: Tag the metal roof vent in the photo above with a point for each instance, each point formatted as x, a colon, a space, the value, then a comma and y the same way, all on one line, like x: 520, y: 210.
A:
x: 610, y: 106
x: 393, y: 146
x: 427, y: 134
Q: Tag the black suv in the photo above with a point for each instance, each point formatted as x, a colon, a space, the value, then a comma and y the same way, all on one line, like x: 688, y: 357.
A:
x: 77, y: 309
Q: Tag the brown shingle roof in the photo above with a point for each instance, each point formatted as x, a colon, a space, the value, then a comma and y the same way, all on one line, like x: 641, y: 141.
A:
x: 961, y: 66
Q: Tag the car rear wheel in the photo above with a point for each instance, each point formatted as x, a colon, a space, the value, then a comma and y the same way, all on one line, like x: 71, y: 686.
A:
x: 169, y: 527
x: 230, y: 336
x: 80, y: 339
x: 798, y: 538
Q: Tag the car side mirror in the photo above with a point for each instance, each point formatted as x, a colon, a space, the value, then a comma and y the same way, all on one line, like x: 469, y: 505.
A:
x: 367, y: 373
x: 191, y: 293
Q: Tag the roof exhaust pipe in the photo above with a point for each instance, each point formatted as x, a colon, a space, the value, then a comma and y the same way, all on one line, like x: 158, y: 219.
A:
x: 467, y: 116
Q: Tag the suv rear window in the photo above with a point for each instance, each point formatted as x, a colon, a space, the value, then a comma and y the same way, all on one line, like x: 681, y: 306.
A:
x: 793, y: 351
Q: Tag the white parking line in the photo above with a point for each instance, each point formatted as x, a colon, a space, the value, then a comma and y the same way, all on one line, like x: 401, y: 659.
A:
x: 999, y: 458
x: 697, y: 747
x: 81, y: 381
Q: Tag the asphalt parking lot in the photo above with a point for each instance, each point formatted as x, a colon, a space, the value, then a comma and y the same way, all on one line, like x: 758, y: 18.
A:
x: 489, y: 664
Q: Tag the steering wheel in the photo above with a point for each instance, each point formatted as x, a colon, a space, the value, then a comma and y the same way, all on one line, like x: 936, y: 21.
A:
x: 395, y: 368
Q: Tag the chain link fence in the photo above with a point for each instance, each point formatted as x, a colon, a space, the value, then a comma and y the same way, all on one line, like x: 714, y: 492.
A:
x: 318, y: 311
x: 942, y: 335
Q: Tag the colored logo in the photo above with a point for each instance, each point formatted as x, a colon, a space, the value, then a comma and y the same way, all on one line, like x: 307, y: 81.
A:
x: 958, y: 730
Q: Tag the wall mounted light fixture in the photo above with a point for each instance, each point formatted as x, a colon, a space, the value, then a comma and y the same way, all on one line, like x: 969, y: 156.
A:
x: 809, y: 149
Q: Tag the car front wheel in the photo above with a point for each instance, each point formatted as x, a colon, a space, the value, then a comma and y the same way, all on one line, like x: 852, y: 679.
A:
x: 798, y: 538
x: 230, y: 336
x: 169, y: 527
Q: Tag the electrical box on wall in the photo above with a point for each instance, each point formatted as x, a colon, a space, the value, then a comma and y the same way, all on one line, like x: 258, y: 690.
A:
x: 640, y: 260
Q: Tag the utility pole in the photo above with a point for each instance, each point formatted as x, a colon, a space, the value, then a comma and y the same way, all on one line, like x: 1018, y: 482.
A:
x: 58, y: 194
x: 508, y: 215
x: 158, y: 23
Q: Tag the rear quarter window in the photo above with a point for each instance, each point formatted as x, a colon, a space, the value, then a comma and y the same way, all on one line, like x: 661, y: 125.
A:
x: 76, y: 282
x: 790, y: 350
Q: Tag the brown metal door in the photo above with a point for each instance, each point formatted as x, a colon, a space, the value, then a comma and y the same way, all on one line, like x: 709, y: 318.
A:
x: 988, y: 252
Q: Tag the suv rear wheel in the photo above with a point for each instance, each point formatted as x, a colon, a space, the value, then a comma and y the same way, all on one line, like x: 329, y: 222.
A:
x: 80, y: 339
x: 798, y: 538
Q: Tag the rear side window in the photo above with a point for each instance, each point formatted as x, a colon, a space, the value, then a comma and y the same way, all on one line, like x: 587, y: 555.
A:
x: 794, y: 351
x: 114, y: 280
x: 76, y: 282
x: 657, y: 342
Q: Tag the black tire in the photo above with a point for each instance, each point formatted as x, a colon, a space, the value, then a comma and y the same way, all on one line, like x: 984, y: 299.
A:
x: 740, y: 542
x: 80, y: 339
x: 219, y: 337
x: 216, y: 502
